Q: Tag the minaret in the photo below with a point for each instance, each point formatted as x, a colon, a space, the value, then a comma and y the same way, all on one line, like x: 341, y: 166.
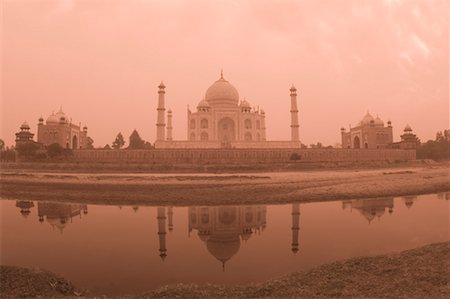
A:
x: 295, y: 226
x: 263, y: 125
x: 161, y: 216
x: 169, y: 125
x: 160, y: 125
x: 294, y: 114
x: 170, y: 216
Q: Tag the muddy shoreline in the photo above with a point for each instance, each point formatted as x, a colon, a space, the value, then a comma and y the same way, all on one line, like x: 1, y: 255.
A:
x: 224, y: 189
x: 417, y: 273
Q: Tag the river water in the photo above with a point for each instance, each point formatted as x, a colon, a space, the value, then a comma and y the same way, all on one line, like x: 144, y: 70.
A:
x: 118, y: 250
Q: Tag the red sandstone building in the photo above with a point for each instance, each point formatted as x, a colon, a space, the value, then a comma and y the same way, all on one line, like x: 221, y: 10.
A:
x: 59, y: 129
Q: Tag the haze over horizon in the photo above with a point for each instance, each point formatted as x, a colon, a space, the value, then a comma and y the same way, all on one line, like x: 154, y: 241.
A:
x: 102, y: 62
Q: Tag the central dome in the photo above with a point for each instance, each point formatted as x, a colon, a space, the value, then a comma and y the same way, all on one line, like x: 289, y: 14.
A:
x: 222, y: 93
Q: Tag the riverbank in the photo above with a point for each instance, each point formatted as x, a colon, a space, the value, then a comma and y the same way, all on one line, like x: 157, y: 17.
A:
x: 418, y: 273
x: 221, y: 189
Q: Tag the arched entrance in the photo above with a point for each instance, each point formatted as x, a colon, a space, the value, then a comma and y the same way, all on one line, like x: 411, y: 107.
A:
x: 225, y: 130
x: 356, y: 142
x: 74, y: 142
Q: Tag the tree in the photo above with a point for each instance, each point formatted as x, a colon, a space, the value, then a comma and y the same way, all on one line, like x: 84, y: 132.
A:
x: 295, y: 157
x: 119, y: 142
x: 55, y: 150
x: 89, y: 143
x: 148, y: 145
x: 2, y: 145
x: 28, y: 149
x: 438, y: 149
x: 136, y: 141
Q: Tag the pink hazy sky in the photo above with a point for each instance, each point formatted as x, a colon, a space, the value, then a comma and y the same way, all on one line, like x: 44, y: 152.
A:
x: 103, y: 60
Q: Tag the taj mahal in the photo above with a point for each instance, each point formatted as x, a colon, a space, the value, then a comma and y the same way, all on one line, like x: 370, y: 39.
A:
x: 225, y: 128
x: 223, y: 120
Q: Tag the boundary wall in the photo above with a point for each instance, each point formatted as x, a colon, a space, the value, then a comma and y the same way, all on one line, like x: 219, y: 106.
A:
x: 236, y: 156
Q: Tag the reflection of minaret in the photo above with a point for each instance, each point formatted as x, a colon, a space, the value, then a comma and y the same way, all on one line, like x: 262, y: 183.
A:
x: 162, y: 232
x: 295, y: 226
x: 170, y: 216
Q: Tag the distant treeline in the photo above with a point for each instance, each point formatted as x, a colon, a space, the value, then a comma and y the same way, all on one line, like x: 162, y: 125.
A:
x: 438, y: 149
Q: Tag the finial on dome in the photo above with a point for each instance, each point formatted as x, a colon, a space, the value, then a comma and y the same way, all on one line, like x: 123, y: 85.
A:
x: 221, y: 73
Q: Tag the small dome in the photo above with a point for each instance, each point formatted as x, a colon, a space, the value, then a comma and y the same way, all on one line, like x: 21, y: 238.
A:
x: 407, y: 128
x: 85, y: 128
x: 25, y: 126
x: 52, y: 119
x: 245, y: 104
x: 41, y: 119
x: 203, y: 104
x: 262, y: 112
x: 60, y: 113
x: 222, y: 93
x: 367, y: 119
x: 379, y: 121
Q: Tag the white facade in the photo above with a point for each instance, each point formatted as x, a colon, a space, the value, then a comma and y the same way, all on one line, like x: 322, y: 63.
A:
x: 222, y: 120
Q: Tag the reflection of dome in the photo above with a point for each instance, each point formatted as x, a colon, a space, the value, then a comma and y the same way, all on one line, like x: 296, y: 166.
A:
x: 223, y: 247
x: 203, y: 235
x: 246, y: 234
x: 222, y: 93
x: 369, y: 215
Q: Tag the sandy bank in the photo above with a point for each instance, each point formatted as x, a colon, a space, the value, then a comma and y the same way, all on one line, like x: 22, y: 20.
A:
x: 417, y: 273
x: 215, y: 189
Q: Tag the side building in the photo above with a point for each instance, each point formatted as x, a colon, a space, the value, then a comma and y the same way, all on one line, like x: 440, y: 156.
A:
x: 59, y: 129
x: 369, y: 133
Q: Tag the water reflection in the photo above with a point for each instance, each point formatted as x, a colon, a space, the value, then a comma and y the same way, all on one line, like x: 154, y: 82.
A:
x: 24, y: 207
x: 443, y: 195
x: 223, y: 228
x: 370, y: 208
x: 56, y: 214
x: 117, y: 250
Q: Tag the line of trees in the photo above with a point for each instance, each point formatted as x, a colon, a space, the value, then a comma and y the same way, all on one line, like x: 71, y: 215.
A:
x: 135, y: 142
x: 438, y: 149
